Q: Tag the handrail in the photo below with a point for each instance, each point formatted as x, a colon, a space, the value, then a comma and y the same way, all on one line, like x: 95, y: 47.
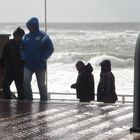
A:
x: 121, y: 98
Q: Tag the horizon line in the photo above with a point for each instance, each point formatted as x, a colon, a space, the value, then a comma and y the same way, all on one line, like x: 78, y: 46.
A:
x: 42, y: 22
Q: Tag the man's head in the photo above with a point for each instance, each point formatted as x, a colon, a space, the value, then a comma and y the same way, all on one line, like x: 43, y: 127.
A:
x: 33, y: 24
x: 18, y: 34
x: 80, y: 65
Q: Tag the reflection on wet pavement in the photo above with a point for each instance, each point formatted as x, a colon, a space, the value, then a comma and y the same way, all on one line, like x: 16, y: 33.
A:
x: 65, y: 121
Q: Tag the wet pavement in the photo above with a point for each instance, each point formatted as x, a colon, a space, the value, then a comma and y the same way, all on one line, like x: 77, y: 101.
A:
x: 65, y: 121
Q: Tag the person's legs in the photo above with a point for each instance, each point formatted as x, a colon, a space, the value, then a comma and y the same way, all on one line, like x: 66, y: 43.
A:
x: 40, y: 75
x: 8, y: 79
x: 27, y: 83
x: 19, y: 86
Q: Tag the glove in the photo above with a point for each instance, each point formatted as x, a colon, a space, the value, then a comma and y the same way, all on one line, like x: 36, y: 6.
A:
x: 73, y: 86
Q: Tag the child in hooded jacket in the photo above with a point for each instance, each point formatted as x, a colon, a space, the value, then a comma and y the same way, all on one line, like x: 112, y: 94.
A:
x: 106, y: 87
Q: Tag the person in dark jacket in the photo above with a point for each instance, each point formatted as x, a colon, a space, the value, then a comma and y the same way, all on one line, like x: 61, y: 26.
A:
x: 13, y: 65
x: 37, y: 47
x: 106, y: 86
x: 85, y: 82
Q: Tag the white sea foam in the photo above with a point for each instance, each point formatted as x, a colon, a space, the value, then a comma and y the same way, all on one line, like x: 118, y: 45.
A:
x: 116, y: 62
x: 90, y: 42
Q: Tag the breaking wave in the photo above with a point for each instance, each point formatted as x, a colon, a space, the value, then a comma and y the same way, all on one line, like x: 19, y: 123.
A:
x: 93, y: 58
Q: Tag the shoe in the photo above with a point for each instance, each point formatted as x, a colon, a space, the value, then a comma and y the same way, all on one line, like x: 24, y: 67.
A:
x: 13, y: 96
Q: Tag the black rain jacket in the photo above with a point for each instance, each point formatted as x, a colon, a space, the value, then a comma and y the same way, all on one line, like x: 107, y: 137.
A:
x: 11, y: 58
x: 106, y: 88
x: 85, y: 84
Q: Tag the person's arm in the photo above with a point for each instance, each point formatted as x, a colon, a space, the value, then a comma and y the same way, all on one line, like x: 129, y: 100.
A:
x: 79, y: 82
x: 48, y: 47
x: 74, y: 85
x: 23, y: 51
x: 82, y: 81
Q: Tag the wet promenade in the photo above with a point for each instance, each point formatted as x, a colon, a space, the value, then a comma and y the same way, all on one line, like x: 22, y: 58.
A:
x: 65, y: 121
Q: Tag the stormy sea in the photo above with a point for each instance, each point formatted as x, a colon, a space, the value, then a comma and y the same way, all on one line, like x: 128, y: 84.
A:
x: 92, y: 43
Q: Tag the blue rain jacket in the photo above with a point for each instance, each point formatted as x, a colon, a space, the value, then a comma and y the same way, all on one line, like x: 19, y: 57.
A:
x: 36, y: 47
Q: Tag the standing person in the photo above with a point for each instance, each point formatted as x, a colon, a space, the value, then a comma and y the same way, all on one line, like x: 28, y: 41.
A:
x: 12, y: 63
x: 36, y: 47
x: 85, y: 82
x: 106, y: 87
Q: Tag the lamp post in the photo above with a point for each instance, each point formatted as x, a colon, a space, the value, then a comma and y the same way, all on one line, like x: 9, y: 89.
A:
x: 45, y: 19
x: 45, y: 7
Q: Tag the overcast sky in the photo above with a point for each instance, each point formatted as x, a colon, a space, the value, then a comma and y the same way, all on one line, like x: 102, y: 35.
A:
x: 71, y: 10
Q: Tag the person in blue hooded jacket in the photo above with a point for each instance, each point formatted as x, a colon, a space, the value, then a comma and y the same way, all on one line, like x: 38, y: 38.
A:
x: 36, y: 48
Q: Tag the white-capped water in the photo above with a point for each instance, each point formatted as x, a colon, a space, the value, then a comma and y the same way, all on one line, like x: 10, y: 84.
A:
x: 91, y: 42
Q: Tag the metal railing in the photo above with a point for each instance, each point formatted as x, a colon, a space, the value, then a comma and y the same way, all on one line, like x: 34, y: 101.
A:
x: 66, y: 97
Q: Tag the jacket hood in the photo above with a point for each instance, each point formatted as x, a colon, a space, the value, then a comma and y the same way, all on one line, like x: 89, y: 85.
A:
x: 105, y: 66
x: 33, y: 22
x: 88, y: 68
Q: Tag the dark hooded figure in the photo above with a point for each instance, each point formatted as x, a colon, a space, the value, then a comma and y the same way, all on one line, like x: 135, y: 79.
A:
x: 85, y: 82
x: 12, y: 63
x: 106, y: 87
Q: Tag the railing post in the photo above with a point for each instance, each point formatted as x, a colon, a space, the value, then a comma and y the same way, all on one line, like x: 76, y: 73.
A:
x: 45, y: 10
x: 123, y: 99
x: 136, y: 108
x: 49, y: 95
